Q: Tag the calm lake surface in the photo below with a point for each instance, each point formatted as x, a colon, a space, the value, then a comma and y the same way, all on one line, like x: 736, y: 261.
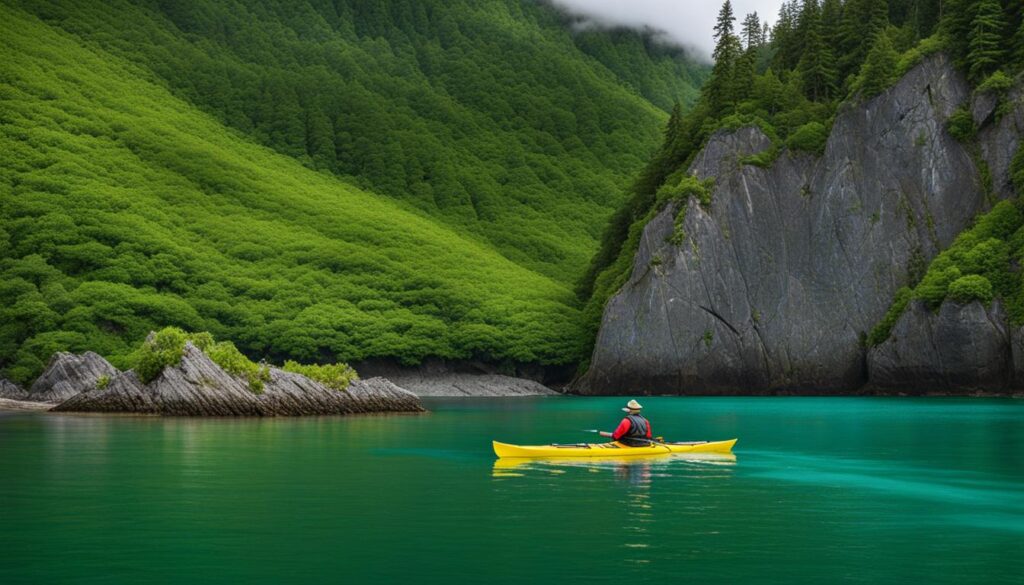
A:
x: 821, y: 490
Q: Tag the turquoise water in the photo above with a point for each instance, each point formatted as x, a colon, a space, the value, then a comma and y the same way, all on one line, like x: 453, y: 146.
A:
x: 821, y: 490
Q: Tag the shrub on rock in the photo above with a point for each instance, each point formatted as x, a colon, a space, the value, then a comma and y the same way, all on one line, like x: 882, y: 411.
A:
x: 970, y: 288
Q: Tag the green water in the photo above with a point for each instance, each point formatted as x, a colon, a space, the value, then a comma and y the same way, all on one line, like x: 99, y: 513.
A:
x: 822, y: 490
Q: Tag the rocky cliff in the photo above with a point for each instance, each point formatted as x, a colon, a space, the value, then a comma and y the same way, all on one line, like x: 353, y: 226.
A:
x: 68, y: 374
x: 961, y: 348
x: 774, y: 284
x: 199, y: 387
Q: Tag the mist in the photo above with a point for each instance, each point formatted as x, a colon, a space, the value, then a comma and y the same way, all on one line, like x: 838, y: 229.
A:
x: 688, y: 23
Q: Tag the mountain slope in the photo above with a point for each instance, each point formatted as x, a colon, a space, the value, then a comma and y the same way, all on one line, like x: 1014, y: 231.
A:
x: 123, y: 208
x: 487, y: 115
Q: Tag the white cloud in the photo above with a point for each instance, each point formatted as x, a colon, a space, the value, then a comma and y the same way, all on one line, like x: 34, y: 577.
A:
x: 687, y: 22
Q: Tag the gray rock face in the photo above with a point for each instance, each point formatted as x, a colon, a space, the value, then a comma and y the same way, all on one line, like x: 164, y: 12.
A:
x: 194, y: 387
x: 380, y: 395
x: 291, y: 394
x: 124, y: 393
x: 456, y: 384
x: 999, y: 142
x: 11, y: 391
x: 198, y: 387
x: 68, y: 374
x: 960, y: 348
x: 436, y: 377
x: 774, y: 285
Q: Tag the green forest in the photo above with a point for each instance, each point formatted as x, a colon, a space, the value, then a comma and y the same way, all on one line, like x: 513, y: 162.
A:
x: 317, y: 181
x: 789, y: 78
x: 489, y: 116
x: 334, y: 181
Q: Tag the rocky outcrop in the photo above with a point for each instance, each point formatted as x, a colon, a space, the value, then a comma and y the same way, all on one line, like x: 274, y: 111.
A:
x: 1000, y: 138
x: 199, y: 387
x: 961, y: 348
x: 68, y: 374
x: 774, y: 285
x: 291, y: 394
x: 11, y: 391
x: 435, y: 377
x: 23, y: 405
x: 472, y: 385
x: 379, y: 395
x: 124, y: 393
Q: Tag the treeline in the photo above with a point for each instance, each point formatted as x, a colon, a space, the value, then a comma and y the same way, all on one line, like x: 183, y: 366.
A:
x: 789, y: 77
x: 487, y: 114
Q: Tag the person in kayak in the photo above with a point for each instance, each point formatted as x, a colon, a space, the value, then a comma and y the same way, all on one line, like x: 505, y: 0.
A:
x: 634, y: 430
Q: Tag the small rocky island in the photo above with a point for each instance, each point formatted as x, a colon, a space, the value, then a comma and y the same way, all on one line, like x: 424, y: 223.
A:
x: 194, y: 384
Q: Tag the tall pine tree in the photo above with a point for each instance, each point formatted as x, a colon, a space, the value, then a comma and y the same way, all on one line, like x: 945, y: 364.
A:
x: 879, y: 70
x: 721, y: 86
x: 816, y: 65
x: 750, y: 32
x: 985, y: 41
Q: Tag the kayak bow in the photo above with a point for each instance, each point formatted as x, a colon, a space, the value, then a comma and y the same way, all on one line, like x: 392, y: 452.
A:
x: 613, y: 449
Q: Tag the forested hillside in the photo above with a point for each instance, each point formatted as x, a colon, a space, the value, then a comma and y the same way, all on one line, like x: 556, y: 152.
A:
x: 789, y: 79
x: 491, y: 142
x: 486, y: 115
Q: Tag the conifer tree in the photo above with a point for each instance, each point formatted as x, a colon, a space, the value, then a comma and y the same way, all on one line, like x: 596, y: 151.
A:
x: 879, y: 69
x: 816, y: 65
x: 985, y: 42
x: 862, y: 22
x: 831, y: 15
x: 956, y: 27
x: 743, y: 74
x: 751, y: 31
x: 786, y: 37
x: 768, y: 91
x: 675, y: 122
x: 721, y: 89
x: 1018, y: 45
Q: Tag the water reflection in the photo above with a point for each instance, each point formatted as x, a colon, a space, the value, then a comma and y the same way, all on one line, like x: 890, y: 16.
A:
x: 637, y: 470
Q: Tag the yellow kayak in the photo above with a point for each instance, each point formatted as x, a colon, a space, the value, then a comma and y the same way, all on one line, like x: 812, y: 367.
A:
x: 613, y: 449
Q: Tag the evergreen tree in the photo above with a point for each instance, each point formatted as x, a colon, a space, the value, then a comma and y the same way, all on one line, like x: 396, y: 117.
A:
x: 751, y: 31
x: 862, y: 22
x: 1018, y: 45
x: 956, y: 27
x: 831, y: 16
x: 721, y: 88
x: 743, y: 74
x: 879, y: 69
x: 816, y: 65
x: 768, y: 91
x: 985, y: 43
x: 786, y: 37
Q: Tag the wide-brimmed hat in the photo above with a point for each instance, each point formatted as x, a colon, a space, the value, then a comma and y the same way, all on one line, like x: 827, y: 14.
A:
x: 632, y: 405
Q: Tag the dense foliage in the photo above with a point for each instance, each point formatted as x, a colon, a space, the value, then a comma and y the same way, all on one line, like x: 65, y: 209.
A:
x: 484, y: 114
x: 166, y: 347
x: 123, y: 210
x: 336, y: 376
x: 790, y: 81
x: 981, y: 264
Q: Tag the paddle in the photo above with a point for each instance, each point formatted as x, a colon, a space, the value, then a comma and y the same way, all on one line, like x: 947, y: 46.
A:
x: 652, y: 441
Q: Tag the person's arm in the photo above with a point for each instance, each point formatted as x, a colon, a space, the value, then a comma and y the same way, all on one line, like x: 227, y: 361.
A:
x: 622, y: 429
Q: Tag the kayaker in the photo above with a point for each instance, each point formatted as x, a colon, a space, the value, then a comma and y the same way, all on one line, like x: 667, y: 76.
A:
x: 633, y: 429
